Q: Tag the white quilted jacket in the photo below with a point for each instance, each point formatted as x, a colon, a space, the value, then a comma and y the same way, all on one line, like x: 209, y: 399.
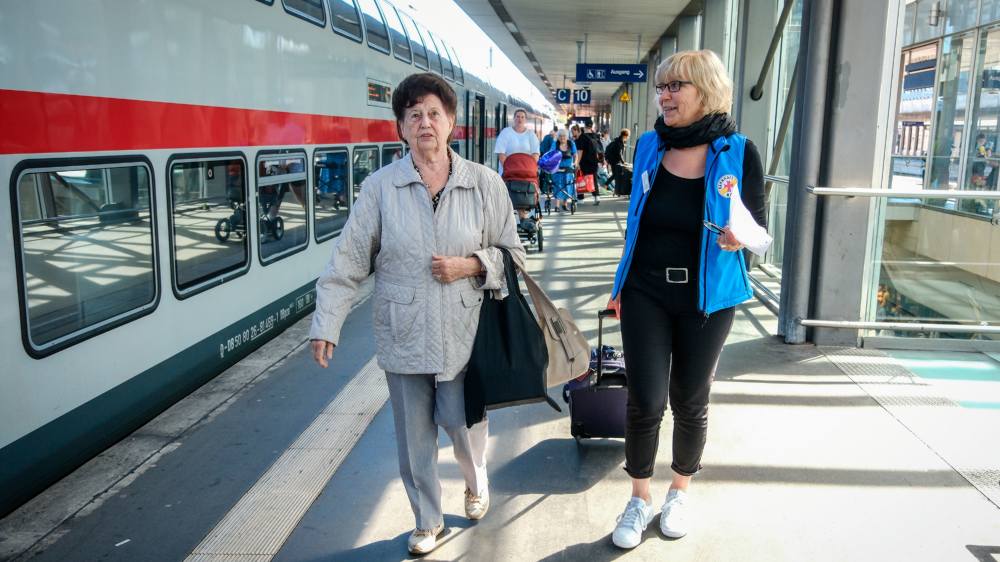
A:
x: 421, y: 325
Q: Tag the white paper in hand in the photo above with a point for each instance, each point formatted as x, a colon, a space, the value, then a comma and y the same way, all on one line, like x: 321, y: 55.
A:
x: 741, y: 223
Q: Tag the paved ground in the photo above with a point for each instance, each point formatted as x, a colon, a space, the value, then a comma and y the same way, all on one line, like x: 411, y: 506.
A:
x: 807, y: 459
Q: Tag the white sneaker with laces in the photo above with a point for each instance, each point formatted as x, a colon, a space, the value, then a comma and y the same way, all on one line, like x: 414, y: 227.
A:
x: 631, y: 523
x: 476, y: 506
x: 673, y: 515
x: 422, y: 541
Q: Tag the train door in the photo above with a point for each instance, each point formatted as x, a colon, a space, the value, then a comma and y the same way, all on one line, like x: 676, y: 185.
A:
x: 499, y: 122
x: 476, y: 136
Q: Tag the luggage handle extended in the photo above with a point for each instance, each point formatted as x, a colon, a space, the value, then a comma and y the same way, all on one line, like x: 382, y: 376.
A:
x: 601, y: 315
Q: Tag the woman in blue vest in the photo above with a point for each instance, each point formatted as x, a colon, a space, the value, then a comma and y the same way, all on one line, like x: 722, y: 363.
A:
x: 679, y: 281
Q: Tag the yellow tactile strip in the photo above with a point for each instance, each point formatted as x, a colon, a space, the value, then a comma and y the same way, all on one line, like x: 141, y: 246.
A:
x: 260, y: 523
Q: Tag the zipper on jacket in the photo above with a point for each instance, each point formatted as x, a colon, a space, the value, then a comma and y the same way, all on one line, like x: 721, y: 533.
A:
x: 703, y: 269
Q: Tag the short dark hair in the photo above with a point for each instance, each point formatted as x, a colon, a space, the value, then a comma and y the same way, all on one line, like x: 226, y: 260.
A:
x: 414, y: 87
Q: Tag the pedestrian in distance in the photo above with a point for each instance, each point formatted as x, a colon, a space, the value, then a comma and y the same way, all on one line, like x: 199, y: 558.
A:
x: 680, y: 277
x: 429, y: 227
x: 517, y: 139
x: 549, y: 141
x: 589, y: 148
x: 563, y: 189
x: 614, y: 154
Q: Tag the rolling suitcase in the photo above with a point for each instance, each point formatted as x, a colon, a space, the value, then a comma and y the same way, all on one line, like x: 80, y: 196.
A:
x: 597, y: 399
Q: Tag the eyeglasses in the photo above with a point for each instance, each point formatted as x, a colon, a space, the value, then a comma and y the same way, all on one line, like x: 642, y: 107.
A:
x: 674, y: 86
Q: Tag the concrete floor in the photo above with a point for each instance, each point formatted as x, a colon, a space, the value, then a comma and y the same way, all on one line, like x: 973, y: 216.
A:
x: 802, y: 463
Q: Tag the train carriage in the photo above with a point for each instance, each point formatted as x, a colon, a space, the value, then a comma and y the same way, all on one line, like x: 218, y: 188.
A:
x: 177, y: 172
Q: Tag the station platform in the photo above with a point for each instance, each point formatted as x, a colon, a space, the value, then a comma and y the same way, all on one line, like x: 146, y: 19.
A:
x: 813, y: 454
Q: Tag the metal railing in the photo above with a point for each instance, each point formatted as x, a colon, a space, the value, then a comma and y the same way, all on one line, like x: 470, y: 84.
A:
x: 901, y: 326
x: 757, y: 91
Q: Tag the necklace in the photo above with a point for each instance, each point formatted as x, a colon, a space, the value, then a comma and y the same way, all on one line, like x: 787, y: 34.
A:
x: 436, y: 198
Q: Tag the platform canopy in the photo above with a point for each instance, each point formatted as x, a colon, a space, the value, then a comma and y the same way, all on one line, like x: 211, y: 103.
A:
x: 541, y: 36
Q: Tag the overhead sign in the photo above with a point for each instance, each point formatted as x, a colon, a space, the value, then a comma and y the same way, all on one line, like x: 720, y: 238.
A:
x: 581, y: 97
x: 562, y: 95
x: 610, y: 73
x: 624, y: 98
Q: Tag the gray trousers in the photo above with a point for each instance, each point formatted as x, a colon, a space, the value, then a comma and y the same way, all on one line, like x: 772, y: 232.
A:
x: 418, y: 408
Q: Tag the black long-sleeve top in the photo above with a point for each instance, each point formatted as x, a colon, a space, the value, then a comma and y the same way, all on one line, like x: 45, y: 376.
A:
x: 671, y: 223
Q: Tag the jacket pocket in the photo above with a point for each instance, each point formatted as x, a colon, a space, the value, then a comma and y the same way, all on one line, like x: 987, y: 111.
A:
x: 472, y: 298
x: 397, y: 309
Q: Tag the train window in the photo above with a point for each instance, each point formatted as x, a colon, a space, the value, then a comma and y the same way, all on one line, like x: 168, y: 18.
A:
x: 85, y: 235
x: 309, y: 10
x: 416, y: 42
x: 208, y: 219
x: 434, y: 60
x: 400, y: 45
x: 345, y: 18
x: 391, y: 153
x: 281, y: 205
x: 331, y: 176
x: 364, y: 163
x: 459, y: 73
x: 449, y: 70
x: 378, y: 33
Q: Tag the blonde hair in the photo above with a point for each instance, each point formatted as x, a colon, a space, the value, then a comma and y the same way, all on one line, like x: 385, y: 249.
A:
x: 705, y: 71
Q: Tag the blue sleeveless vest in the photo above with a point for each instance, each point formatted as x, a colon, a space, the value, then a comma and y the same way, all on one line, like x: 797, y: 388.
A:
x: 722, y: 281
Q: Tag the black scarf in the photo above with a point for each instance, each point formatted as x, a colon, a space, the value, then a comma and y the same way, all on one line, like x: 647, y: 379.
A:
x: 702, y: 131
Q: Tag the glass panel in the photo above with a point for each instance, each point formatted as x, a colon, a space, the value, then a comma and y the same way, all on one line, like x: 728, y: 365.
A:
x: 459, y: 73
x: 449, y: 70
x: 416, y: 42
x: 777, y: 194
x: 432, y: 53
x: 391, y: 153
x: 990, y: 11
x: 365, y: 162
x: 930, y: 272
x: 330, y: 197
x: 87, y: 247
x: 913, y: 118
x: 311, y: 10
x: 475, y: 116
x: 953, y: 86
x: 378, y: 34
x: 400, y: 45
x: 208, y: 200
x: 909, y: 18
x: 960, y: 15
x: 981, y: 162
x: 282, y: 225
x: 345, y: 18
x: 924, y: 30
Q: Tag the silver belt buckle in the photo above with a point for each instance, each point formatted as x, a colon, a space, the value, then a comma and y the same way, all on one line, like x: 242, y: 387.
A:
x: 680, y: 269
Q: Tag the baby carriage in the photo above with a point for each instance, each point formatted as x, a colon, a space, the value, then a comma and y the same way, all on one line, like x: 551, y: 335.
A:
x: 521, y: 176
x: 271, y: 196
x: 236, y: 223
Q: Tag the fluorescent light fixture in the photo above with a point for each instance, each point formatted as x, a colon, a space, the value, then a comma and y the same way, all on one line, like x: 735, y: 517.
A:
x: 511, y: 26
x: 526, y: 48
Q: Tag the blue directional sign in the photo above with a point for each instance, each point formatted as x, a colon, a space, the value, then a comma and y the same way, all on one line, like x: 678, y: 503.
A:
x: 611, y: 73
x: 562, y: 95
x: 581, y: 97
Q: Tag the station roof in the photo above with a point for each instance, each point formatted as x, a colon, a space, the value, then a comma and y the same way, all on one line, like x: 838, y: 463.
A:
x: 541, y: 37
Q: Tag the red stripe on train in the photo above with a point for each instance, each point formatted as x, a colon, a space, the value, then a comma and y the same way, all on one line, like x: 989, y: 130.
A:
x: 38, y: 122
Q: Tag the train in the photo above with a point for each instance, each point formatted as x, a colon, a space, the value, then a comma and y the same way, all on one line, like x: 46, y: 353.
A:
x: 177, y: 173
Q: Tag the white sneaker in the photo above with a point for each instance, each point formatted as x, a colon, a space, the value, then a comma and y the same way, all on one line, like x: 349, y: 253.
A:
x: 673, y: 515
x: 631, y: 523
x: 476, y: 506
x: 422, y: 541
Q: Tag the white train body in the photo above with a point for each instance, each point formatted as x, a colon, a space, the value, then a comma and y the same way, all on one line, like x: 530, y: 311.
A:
x: 124, y: 126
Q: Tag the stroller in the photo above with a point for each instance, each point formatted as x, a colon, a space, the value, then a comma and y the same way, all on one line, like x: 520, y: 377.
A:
x: 236, y: 223
x: 521, y: 176
x: 270, y: 196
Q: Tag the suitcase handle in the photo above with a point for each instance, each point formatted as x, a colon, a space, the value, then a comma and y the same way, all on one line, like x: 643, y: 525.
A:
x: 601, y: 315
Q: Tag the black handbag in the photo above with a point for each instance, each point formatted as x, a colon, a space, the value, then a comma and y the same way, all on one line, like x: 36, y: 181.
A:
x: 509, y: 358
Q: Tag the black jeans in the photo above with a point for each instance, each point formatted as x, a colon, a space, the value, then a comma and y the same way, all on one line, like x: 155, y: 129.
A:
x: 671, y: 349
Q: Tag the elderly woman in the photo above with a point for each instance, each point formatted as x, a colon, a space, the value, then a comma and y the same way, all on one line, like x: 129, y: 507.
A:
x: 564, y: 189
x: 429, y: 226
x: 680, y: 276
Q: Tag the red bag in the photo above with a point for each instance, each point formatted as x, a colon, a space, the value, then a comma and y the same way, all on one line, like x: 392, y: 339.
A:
x: 584, y: 183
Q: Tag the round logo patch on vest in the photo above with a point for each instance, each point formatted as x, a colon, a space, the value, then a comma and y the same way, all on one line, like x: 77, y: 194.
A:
x: 726, y: 185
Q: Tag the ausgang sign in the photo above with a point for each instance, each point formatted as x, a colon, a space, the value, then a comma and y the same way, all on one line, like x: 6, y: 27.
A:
x: 610, y: 73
